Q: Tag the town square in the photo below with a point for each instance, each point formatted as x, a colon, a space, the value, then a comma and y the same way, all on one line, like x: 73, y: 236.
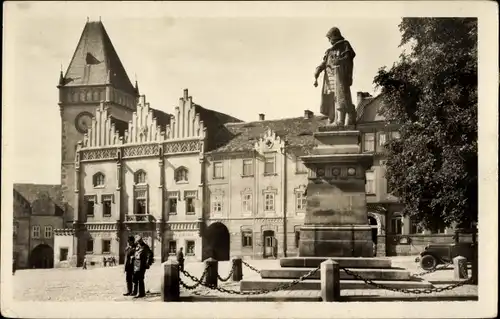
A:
x: 253, y: 159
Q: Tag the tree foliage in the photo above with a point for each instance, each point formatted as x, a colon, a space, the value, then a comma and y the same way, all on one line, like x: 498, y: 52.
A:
x: 431, y: 91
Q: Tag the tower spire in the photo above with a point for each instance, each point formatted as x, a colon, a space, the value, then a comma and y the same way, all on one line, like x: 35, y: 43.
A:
x: 136, y: 85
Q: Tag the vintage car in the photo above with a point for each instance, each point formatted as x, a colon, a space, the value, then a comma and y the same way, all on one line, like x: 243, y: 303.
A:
x: 435, y: 254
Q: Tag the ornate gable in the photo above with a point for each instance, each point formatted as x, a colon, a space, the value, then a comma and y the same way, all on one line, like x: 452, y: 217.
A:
x: 185, y: 123
x: 103, y: 131
x: 269, y: 142
x: 143, y: 127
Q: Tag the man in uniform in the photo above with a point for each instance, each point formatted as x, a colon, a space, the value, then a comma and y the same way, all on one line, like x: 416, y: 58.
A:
x: 129, y: 264
x: 180, y: 259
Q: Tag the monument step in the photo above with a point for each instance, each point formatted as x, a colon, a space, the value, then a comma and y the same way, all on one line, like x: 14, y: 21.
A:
x: 347, y: 262
x: 373, y: 274
x: 315, y: 284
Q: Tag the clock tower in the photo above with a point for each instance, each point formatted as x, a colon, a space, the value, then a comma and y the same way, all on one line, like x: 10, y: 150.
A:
x: 94, y: 74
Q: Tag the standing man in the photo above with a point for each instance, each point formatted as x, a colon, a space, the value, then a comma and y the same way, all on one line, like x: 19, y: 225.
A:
x: 143, y: 258
x: 129, y: 264
x: 84, y: 262
x: 180, y: 259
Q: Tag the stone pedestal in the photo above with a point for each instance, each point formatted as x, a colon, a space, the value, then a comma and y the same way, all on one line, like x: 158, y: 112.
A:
x: 336, y: 221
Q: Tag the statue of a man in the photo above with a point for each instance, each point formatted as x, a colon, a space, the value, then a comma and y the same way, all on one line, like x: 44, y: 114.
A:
x: 336, y: 100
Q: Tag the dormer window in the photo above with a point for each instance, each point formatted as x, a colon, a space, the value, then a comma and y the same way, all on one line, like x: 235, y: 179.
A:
x: 140, y: 177
x: 181, y: 174
x: 98, y: 179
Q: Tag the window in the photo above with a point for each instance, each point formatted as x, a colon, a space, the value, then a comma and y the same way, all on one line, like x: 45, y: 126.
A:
x: 140, y: 206
x: 369, y: 143
x: 300, y: 201
x: 90, y: 246
x: 218, y: 170
x: 217, y: 203
x: 397, y: 225
x: 370, y: 182
x: 190, y: 205
x: 300, y: 167
x: 269, y: 165
x: 106, y: 205
x: 140, y: 177
x: 415, y: 227
x: 63, y: 254
x: 247, y: 167
x: 48, y: 232
x: 246, y: 238
x: 98, y: 179
x: 247, y: 203
x: 297, y: 238
x: 35, y: 232
x: 172, y: 206
x: 181, y: 174
x: 395, y: 135
x: 90, y: 205
x: 106, y: 246
x: 172, y: 247
x: 269, y: 202
x: 382, y: 139
x: 190, y: 248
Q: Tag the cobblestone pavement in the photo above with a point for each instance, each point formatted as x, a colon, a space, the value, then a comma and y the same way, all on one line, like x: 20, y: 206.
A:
x: 108, y: 284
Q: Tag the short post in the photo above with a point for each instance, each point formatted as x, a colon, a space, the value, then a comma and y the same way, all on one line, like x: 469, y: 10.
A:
x: 330, y: 280
x: 170, y: 289
x: 460, y: 268
x: 237, y: 269
x: 212, y: 266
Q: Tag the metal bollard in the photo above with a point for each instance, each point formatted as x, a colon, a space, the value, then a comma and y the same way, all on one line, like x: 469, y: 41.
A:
x: 170, y: 289
x: 460, y: 268
x: 212, y: 266
x: 237, y: 269
x: 330, y: 281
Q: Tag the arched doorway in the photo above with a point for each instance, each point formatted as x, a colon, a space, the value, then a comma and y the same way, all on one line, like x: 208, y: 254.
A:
x: 42, y: 256
x: 270, y: 244
x: 374, y: 226
x: 217, y: 241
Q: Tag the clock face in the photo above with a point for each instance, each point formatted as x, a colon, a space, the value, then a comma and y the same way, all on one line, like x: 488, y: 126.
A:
x: 83, y: 122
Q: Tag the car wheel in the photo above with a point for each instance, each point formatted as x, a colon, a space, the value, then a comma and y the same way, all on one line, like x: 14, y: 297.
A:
x: 428, y: 262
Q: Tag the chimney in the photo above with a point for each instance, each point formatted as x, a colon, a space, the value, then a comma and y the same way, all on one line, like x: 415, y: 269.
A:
x: 361, y: 96
x: 262, y: 117
x: 308, y: 114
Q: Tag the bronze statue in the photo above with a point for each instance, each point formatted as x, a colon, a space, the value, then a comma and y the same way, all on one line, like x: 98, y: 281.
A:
x: 336, y: 100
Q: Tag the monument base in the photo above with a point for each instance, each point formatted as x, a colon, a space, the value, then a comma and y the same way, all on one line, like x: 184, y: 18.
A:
x: 336, y: 241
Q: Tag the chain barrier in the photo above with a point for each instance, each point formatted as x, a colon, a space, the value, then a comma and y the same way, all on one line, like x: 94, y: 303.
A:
x: 228, y: 276
x: 255, y: 292
x: 250, y: 266
x: 407, y: 290
x: 431, y: 271
x: 193, y: 278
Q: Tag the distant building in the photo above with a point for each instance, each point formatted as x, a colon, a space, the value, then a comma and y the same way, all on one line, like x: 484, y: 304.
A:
x: 196, y: 178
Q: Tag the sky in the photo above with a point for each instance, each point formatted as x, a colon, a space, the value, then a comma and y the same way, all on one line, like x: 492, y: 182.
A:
x: 238, y: 59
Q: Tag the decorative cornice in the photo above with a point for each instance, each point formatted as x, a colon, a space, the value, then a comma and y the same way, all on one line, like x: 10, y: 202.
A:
x: 64, y: 232
x: 183, y: 226
x: 101, y: 226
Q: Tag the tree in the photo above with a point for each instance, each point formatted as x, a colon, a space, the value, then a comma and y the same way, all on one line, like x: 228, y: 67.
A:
x: 431, y: 91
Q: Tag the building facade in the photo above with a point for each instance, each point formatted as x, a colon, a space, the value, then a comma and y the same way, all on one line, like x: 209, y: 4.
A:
x: 196, y: 178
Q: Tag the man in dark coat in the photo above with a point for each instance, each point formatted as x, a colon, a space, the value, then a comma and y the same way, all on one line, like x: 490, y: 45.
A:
x: 129, y: 264
x: 143, y: 258
x: 180, y: 259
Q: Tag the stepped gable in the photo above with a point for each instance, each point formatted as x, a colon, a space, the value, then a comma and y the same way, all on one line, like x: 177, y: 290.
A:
x: 103, y: 131
x: 95, y: 61
x: 33, y: 192
x: 369, y: 105
x: 298, y: 132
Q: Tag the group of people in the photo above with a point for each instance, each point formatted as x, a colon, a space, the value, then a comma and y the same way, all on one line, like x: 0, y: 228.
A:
x: 138, y: 258
x: 111, y: 261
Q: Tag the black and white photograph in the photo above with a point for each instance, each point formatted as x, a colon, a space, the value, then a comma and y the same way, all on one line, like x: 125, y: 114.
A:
x: 264, y: 159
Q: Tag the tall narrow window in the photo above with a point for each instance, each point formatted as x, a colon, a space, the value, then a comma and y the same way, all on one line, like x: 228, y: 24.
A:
x: 172, y: 201
x: 181, y: 175
x: 370, y: 182
x: 300, y: 201
x: 247, y: 203
x: 90, y: 246
x: 90, y: 207
x: 397, y: 224
x: 190, y: 205
x: 269, y: 202
x: 269, y: 165
x: 63, y: 254
x: 35, y: 232
x: 218, y: 170
x: 246, y: 238
x: 98, y: 179
x: 48, y: 232
x: 140, y: 177
x: 106, y: 246
x: 217, y: 203
x: 107, y: 201
x: 369, y: 142
x: 141, y: 201
x: 172, y: 247
x: 247, y: 167
x: 140, y: 206
x: 382, y: 139
x: 190, y: 245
